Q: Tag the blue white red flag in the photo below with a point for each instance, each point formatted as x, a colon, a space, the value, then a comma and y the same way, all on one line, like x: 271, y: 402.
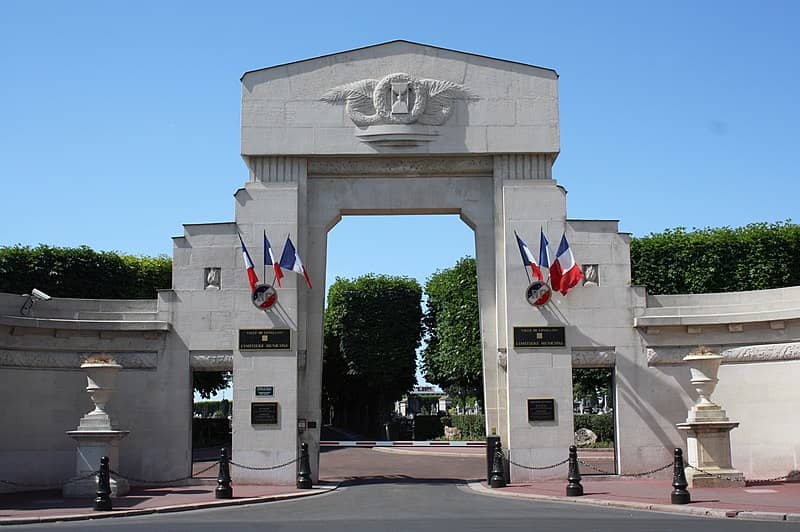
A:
x: 290, y: 260
x: 565, y: 268
x: 249, y: 267
x: 544, y: 257
x: 269, y: 260
x: 528, y: 260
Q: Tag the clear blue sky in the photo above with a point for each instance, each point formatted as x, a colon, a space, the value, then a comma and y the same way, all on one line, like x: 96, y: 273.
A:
x: 119, y: 121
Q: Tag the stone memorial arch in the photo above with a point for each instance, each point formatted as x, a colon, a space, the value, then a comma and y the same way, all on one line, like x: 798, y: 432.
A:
x: 402, y: 128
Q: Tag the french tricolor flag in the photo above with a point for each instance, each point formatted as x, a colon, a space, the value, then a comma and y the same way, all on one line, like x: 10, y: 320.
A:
x: 269, y: 260
x: 545, y: 261
x: 528, y: 259
x: 565, y: 272
x: 290, y: 260
x: 248, y: 265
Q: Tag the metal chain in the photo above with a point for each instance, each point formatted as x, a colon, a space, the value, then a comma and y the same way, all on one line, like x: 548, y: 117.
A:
x: 49, y: 486
x: 656, y: 470
x: 739, y: 479
x: 253, y: 468
x: 590, y: 466
x: 643, y: 474
x: 170, y: 481
x: 536, y: 468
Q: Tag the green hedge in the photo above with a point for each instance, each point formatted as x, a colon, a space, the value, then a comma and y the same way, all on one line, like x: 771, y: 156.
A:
x: 753, y: 257
x: 473, y: 426
x: 427, y: 428
x: 600, y: 424
x: 82, y: 272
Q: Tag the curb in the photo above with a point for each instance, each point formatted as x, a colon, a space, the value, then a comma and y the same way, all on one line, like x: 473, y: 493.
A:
x: 319, y: 490
x: 697, y: 511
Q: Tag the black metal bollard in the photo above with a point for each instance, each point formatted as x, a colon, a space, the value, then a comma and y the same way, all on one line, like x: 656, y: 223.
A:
x: 102, y: 501
x: 497, y: 479
x: 304, y: 471
x: 574, y: 487
x: 224, y: 489
x: 491, y: 449
x: 679, y: 495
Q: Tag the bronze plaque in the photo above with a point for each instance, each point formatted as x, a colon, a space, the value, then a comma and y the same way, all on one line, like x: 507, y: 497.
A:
x: 539, y: 337
x: 263, y: 413
x: 541, y: 409
x: 264, y: 339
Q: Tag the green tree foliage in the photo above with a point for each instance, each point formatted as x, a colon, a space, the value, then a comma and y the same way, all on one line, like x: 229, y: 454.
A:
x: 452, y: 357
x: 372, y: 331
x: 591, y: 383
x: 753, y: 257
x: 82, y: 272
x: 207, y: 383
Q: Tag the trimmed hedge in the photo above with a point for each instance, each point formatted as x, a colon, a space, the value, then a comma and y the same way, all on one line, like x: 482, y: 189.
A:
x: 724, y: 259
x: 600, y: 424
x: 82, y: 272
x: 473, y: 426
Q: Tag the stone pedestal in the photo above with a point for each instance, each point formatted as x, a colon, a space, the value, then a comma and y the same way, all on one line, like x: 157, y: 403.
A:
x: 708, y: 429
x: 709, y: 448
x: 93, y: 445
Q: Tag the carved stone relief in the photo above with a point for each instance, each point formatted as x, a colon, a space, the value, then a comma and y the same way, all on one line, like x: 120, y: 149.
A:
x: 398, y: 98
x: 42, y: 359
x: 211, y: 360
x: 602, y: 357
x: 673, y: 356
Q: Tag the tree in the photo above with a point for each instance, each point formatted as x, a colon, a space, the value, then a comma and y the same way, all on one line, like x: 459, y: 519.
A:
x: 372, y: 331
x: 452, y: 357
x: 207, y: 383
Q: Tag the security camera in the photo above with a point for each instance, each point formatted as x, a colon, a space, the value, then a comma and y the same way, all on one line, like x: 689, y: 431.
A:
x: 39, y: 295
x: 30, y: 299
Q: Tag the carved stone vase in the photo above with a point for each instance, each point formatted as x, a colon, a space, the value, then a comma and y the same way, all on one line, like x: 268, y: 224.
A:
x: 704, y: 368
x: 101, y: 378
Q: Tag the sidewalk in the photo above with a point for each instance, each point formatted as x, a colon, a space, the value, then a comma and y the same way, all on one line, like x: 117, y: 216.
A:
x: 779, y: 501
x: 49, y: 506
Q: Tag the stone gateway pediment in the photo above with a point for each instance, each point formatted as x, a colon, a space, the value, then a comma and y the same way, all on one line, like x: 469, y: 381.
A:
x: 400, y: 97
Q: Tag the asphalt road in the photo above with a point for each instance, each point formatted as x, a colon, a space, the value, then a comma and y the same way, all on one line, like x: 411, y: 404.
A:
x: 378, y: 505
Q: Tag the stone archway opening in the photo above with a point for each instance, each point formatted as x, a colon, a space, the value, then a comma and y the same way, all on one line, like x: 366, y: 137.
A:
x: 397, y: 245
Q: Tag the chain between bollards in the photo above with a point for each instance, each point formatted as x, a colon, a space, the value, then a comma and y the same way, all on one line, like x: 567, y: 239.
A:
x: 304, y: 470
x: 102, y: 501
x: 574, y: 487
x: 224, y: 489
x: 679, y: 495
x: 497, y: 479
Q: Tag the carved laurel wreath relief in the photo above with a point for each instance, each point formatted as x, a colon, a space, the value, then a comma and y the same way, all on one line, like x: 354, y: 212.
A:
x: 398, y: 98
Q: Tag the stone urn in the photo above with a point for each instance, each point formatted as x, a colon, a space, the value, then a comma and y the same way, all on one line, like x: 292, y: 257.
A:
x: 704, y: 367
x: 101, y: 377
